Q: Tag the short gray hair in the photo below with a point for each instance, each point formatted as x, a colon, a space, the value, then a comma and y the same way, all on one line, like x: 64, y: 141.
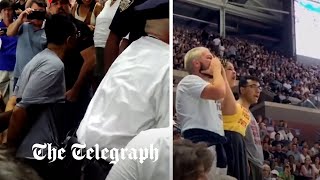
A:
x: 191, y: 55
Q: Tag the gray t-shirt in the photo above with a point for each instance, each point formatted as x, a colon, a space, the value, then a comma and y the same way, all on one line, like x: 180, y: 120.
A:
x: 42, y: 80
x: 253, y: 143
x: 30, y: 43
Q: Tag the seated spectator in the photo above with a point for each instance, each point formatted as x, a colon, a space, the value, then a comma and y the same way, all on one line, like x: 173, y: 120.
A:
x: 278, y: 154
x: 266, y: 153
x: 266, y: 172
x: 292, y: 163
x: 277, y: 140
x: 307, y: 170
x: 267, y: 140
x: 316, y: 165
x: 315, y: 149
x: 304, y: 154
x: 274, y: 174
x: 295, y: 153
x: 286, y: 175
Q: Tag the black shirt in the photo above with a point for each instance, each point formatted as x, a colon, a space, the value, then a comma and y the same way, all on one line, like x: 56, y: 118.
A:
x: 73, y: 60
x: 19, y: 6
x: 131, y: 16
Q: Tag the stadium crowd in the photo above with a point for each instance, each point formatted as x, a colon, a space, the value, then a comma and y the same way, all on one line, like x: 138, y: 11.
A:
x: 273, y: 150
x: 277, y: 73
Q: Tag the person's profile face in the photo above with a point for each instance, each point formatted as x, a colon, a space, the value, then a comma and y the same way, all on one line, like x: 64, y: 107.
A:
x: 251, y: 92
x: 231, y: 74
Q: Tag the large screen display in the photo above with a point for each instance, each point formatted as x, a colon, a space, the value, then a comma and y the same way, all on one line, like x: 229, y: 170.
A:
x: 307, y: 28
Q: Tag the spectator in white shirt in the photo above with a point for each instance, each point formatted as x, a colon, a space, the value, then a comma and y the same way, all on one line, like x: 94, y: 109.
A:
x: 129, y: 169
x: 134, y: 94
x: 198, y: 103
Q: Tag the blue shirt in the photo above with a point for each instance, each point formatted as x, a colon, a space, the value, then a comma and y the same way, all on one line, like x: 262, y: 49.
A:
x: 7, y: 51
x: 30, y: 43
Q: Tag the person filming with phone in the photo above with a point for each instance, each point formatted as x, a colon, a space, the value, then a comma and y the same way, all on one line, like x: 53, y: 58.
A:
x: 31, y: 36
x: 29, y: 27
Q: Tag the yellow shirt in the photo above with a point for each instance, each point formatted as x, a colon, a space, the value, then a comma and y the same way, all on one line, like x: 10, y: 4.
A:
x: 237, y: 122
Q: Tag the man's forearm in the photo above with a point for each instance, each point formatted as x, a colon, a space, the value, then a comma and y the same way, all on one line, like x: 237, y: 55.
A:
x: 111, y: 51
x: 88, y: 65
x: 217, y: 79
x: 17, y: 125
x: 13, y: 28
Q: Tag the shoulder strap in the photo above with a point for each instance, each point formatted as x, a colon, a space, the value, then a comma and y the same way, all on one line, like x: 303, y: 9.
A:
x: 88, y: 17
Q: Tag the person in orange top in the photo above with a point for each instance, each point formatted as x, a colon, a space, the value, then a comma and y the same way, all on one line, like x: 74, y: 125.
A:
x: 236, y: 119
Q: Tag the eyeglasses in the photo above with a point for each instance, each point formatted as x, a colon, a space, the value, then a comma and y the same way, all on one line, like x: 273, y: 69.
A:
x: 254, y: 86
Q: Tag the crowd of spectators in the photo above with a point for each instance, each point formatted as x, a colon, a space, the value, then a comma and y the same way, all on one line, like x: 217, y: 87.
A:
x: 286, y: 156
x: 278, y: 73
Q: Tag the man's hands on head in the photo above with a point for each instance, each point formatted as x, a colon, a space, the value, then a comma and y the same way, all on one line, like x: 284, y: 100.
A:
x: 215, y: 67
x: 216, y: 90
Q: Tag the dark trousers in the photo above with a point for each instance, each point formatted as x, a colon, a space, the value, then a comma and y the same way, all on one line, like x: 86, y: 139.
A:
x: 211, y: 138
x: 236, y: 156
x: 255, y: 171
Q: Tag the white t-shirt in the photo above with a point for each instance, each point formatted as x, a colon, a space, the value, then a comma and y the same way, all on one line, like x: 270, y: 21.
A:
x: 132, y: 97
x: 195, y: 112
x: 217, y: 41
x: 148, y: 170
x: 103, y: 21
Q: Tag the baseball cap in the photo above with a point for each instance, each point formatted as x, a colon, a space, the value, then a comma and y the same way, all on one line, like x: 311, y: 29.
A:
x: 153, y: 9
x: 275, y: 172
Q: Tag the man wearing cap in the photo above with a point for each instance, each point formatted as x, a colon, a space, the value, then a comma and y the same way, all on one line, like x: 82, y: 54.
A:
x: 79, y: 65
x: 134, y: 94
